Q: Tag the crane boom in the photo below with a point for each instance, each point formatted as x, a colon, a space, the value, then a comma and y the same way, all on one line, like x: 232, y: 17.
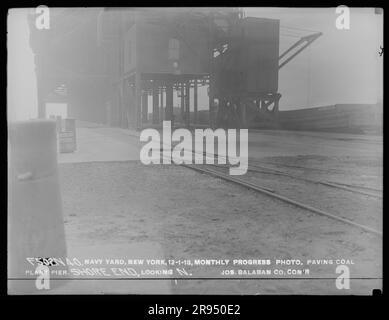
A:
x: 307, y: 40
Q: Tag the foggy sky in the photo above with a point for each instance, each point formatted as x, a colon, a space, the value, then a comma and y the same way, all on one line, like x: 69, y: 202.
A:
x: 341, y: 66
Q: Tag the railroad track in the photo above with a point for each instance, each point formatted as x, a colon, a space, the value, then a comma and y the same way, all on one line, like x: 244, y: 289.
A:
x: 346, y: 187
x: 300, y: 167
x: 271, y: 193
x: 329, y: 183
x: 377, y: 193
x: 350, y: 188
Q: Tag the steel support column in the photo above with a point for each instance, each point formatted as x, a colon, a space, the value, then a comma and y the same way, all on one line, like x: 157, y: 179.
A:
x: 145, y: 107
x: 161, y: 113
x: 243, y: 114
x: 182, y: 102
x: 195, y: 102
x: 155, y: 103
x: 138, y: 100
x: 187, y: 104
x: 169, y: 102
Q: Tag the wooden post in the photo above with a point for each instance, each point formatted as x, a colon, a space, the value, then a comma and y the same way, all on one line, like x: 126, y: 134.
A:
x: 195, y: 102
x: 161, y: 113
x: 169, y: 102
x: 187, y: 104
x: 145, y: 107
x: 155, y: 103
x: 211, y: 108
x: 137, y: 114
x: 211, y: 75
x: 243, y: 121
x: 138, y: 77
x: 182, y: 102
x: 129, y: 106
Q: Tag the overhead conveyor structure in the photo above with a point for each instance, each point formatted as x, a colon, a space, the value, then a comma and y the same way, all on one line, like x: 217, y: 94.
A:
x: 119, y: 65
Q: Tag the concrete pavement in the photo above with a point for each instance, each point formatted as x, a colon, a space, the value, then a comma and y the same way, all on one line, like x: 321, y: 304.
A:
x: 99, y: 143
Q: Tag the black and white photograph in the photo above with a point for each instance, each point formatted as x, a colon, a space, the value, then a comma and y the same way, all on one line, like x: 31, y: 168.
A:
x: 195, y: 151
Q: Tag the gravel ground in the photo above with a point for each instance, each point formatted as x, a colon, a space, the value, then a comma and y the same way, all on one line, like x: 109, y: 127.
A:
x: 192, y: 215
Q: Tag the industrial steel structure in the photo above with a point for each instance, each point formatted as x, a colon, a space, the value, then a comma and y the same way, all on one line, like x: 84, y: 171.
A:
x: 105, y: 63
